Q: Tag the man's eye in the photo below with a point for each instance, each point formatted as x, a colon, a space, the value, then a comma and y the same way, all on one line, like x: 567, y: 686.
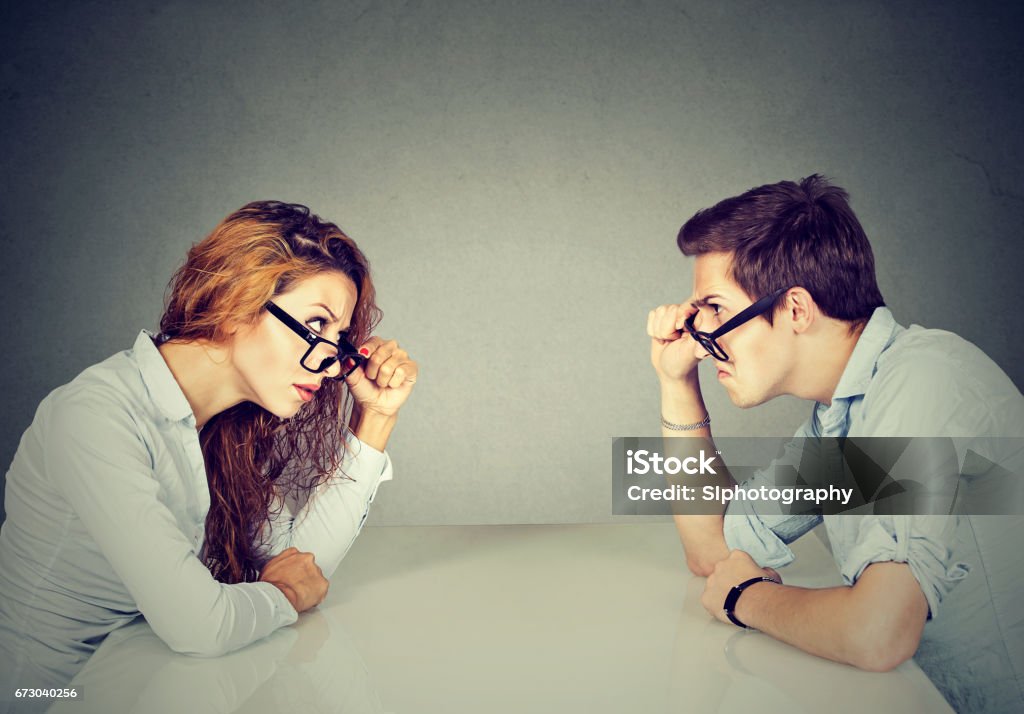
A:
x: 317, y: 324
x: 715, y: 309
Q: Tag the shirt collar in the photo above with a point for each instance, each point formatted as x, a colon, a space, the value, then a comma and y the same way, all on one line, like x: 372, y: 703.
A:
x: 163, y: 387
x: 876, y: 337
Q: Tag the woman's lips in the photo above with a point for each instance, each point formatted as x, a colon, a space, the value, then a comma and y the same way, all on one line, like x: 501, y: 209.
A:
x: 305, y: 391
x: 722, y: 374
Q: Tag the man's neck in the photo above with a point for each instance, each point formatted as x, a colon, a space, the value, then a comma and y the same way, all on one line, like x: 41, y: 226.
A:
x: 824, y: 361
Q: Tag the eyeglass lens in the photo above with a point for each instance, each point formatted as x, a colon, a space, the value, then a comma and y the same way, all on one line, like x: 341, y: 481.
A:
x: 323, y: 355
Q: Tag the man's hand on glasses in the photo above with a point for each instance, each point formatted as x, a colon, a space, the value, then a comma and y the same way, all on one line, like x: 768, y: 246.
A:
x: 672, y: 349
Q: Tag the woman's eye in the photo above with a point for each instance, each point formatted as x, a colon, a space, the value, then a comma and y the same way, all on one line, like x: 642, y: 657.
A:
x: 715, y: 309
x: 317, y: 324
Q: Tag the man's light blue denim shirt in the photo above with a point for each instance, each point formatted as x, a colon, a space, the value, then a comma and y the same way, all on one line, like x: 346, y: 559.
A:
x: 920, y: 382
x: 106, y: 503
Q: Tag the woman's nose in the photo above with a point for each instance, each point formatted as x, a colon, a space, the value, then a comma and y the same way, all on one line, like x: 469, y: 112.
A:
x: 334, y: 369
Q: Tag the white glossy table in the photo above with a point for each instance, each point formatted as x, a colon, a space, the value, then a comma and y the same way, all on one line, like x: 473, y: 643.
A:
x: 578, y: 618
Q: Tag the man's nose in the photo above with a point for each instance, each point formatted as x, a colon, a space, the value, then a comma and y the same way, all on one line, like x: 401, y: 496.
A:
x: 698, y: 350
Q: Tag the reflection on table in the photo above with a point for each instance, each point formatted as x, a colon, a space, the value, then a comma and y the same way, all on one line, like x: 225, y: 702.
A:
x: 309, y: 667
x: 575, y: 618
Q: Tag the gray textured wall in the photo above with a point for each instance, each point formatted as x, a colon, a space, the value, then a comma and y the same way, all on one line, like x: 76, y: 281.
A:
x: 516, y: 173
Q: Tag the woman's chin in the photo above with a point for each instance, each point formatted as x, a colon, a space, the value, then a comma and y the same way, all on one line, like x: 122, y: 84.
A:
x: 283, y: 411
x: 294, y: 411
x: 283, y: 408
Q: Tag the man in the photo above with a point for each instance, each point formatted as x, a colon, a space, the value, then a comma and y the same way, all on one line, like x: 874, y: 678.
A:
x: 941, y: 589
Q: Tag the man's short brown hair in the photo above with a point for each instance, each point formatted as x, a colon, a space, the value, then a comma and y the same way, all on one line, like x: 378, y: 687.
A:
x: 790, y: 234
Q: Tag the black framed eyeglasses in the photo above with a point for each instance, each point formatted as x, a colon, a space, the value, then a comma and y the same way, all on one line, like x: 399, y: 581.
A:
x: 707, y: 340
x: 321, y: 353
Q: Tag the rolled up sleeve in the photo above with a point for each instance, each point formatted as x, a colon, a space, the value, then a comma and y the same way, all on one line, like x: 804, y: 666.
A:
x: 762, y: 534
x: 765, y: 538
x: 925, y: 543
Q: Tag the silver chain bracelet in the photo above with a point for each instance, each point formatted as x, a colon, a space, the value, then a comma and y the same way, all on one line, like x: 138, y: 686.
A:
x: 706, y: 421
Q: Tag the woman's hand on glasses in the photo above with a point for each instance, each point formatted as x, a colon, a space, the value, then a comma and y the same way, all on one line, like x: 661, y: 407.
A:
x: 672, y: 349
x: 386, y: 380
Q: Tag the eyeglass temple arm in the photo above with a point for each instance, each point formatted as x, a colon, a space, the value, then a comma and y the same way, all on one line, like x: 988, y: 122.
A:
x: 297, y: 327
x: 748, y: 313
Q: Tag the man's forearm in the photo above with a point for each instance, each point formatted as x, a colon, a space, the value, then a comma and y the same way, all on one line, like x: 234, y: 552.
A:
x: 703, y: 542
x: 682, y: 403
x: 874, y: 625
x: 813, y: 620
x: 702, y: 536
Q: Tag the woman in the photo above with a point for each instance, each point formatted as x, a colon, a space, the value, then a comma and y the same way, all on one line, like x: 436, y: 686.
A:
x: 212, y: 477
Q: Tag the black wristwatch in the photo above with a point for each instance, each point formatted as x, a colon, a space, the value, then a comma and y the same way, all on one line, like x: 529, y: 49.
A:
x: 734, y: 595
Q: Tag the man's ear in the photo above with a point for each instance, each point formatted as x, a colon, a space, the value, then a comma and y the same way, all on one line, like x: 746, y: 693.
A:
x: 801, y: 310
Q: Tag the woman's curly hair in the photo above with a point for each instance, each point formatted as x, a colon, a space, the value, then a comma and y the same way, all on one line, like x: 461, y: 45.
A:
x: 253, y: 458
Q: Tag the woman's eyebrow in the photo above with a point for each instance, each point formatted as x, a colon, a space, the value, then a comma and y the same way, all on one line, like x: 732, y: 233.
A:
x: 334, y: 318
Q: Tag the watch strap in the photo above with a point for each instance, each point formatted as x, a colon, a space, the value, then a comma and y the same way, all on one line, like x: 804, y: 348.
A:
x: 734, y: 595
